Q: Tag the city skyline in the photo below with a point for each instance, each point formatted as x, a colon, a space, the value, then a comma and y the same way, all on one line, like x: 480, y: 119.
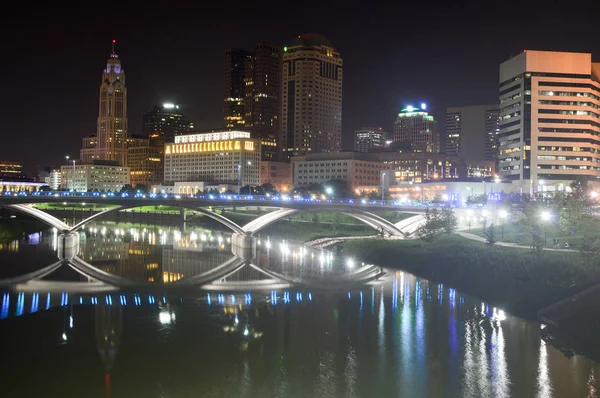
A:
x: 47, y: 61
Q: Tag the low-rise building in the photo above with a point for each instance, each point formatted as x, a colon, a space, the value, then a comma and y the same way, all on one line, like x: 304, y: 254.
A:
x: 420, y: 167
x: 100, y: 175
x: 357, y: 169
x: 278, y: 174
x: 53, y: 178
x: 220, y: 157
x: 145, y: 159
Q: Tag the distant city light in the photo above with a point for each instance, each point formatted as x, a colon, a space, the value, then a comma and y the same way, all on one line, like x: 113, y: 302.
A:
x: 423, y: 105
x: 284, y: 48
x: 168, y: 105
x: 410, y: 108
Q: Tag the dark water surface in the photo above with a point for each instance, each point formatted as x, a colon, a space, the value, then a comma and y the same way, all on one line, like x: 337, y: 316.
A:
x: 398, y: 336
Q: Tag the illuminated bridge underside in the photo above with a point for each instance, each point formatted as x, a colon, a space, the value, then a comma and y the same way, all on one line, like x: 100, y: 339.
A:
x: 251, y: 228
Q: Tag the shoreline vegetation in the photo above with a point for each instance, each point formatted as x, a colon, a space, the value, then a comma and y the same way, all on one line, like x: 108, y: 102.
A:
x: 517, y: 280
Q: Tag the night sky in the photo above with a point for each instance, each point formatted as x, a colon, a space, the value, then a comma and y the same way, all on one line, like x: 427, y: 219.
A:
x: 442, y: 54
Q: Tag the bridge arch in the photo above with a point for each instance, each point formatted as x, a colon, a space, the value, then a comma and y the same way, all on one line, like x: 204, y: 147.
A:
x: 369, y: 219
x: 217, y: 217
x: 49, y: 219
x: 40, y: 215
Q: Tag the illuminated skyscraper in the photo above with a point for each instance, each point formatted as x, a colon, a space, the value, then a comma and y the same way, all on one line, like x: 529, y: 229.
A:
x: 165, y: 122
x: 415, y: 126
x: 252, y: 96
x: 112, y: 115
x: 312, y: 96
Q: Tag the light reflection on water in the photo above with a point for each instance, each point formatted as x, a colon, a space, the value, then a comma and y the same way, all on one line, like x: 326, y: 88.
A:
x: 405, y: 337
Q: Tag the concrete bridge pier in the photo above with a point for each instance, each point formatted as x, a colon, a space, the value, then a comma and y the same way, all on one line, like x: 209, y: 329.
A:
x: 243, y: 246
x: 67, y: 245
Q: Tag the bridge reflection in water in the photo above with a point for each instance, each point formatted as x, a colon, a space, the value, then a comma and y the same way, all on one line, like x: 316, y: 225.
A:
x: 109, y: 258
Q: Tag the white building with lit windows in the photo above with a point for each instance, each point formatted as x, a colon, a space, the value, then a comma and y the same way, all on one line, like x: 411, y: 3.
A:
x: 100, y: 175
x: 218, y: 157
x: 549, y: 119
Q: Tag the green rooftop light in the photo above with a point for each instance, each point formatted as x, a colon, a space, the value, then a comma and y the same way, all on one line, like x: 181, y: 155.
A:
x: 284, y: 48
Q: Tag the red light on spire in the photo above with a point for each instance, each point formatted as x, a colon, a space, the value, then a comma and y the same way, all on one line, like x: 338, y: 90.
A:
x: 114, y: 41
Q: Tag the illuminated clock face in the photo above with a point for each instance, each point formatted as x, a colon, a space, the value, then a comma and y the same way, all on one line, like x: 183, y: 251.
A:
x: 117, y: 68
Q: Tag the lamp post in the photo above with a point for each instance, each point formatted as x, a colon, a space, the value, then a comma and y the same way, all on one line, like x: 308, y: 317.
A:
x: 546, y: 216
x: 73, y: 176
x: 249, y: 163
x: 382, y: 186
x: 503, y: 215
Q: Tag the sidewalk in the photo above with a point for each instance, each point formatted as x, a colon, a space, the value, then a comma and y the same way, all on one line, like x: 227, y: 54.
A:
x: 507, y: 244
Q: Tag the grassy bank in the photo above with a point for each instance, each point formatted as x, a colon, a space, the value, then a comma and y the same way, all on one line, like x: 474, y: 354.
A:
x: 519, y: 232
x: 513, y: 279
x: 11, y: 229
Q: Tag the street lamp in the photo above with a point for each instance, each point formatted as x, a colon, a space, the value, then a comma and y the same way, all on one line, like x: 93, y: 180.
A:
x: 546, y: 216
x: 73, y: 176
x: 382, y: 187
x: 329, y: 191
x: 503, y: 215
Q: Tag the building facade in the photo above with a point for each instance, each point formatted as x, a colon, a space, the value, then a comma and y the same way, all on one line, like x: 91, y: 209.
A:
x: 357, y: 169
x: 145, y: 159
x: 472, y: 131
x: 549, y: 119
x: 312, y: 96
x: 87, y: 153
x: 165, y: 122
x: 11, y: 170
x: 100, y: 175
x: 220, y: 157
x: 415, y: 126
x: 53, y: 179
x: 369, y: 138
x: 112, y: 113
x: 421, y: 167
x: 278, y: 174
x: 236, y: 98
x: 252, y: 97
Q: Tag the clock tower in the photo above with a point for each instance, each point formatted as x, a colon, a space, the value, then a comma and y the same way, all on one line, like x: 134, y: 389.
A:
x: 112, y: 114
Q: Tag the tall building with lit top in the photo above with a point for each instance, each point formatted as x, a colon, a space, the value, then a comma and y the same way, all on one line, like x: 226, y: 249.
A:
x: 312, y: 96
x: 112, y: 112
x: 369, y: 138
x: 252, y: 95
x: 549, y: 119
x: 416, y: 127
x: 219, y: 157
x: 165, y: 121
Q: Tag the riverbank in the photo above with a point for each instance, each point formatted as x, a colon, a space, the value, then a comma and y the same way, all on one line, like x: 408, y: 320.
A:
x: 11, y: 229
x: 514, y: 279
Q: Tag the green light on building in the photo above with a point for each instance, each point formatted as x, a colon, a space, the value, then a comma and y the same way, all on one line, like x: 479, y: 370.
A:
x: 284, y: 49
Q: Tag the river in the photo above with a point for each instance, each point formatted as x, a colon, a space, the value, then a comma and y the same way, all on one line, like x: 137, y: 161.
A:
x: 297, y: 322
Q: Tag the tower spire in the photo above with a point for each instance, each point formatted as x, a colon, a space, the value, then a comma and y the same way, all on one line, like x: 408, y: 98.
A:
x: 113, y: 45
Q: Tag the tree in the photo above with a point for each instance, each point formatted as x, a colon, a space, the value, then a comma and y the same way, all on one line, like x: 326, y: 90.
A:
x: 490, y: 235
x: 246, y: 190
x: 432, y: 226
x: 477, y: 199
x: 127, y: 188
x: 448, y: 219
x: 143, y: 188
x: 315, y: 218
x: 574, y: 215
x: 336, y: 221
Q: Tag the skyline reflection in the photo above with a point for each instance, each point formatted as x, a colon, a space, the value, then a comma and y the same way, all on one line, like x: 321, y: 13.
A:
x: 403, y: 336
